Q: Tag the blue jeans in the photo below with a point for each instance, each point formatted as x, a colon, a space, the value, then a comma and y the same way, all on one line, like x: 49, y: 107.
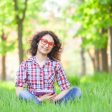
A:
x: 70, y: 96
x: 27, y: 96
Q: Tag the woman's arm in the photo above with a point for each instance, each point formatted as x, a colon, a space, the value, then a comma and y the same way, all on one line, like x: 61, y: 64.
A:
x: 21, y: 77
x: 62, y: 81
x: 59, y: 96
x: 18, y: 90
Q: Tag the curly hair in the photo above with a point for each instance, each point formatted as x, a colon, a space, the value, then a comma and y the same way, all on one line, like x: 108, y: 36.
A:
x: 56, y: 50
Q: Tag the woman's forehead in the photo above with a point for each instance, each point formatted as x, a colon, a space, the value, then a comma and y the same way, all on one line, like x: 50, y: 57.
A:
x: 48, y: 37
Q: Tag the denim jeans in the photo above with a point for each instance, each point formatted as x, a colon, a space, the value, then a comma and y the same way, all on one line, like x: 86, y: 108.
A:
x: 74, y: 93
x: 70, y: 96
x: 27, y: 96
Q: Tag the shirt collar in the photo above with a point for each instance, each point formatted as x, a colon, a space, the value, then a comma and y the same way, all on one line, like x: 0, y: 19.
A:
x: 33, y: 59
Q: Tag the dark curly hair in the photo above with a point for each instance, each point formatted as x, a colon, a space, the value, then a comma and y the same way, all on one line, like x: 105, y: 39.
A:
x: 56, y: 50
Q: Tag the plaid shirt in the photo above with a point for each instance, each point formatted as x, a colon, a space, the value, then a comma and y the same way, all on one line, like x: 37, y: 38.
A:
x: 41, y: 79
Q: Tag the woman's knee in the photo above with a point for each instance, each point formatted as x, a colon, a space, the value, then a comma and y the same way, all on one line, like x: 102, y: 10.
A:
x: 76, y: 91
x: 25, y: 95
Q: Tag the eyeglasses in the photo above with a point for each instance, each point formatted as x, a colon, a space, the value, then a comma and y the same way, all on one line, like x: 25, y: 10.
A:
x: 45, y: 42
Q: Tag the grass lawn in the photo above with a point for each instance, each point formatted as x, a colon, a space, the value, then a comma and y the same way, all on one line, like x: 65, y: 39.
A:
x: 97, y: 92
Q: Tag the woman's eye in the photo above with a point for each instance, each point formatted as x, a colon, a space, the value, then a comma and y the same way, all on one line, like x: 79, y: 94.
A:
x: 45, y: 41
x: 51, y: 44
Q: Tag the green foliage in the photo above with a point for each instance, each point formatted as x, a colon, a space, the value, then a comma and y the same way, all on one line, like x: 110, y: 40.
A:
x: 34, y: 6
x: 6, y: 20
x: 93, y: 16
x: 97, y: 42
x: 105, y: 2
x: 6, y: 47
x: 74, y: 80
x: 6, y: 13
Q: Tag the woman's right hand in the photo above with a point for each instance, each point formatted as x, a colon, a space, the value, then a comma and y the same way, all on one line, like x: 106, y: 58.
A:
x: 46, y: 97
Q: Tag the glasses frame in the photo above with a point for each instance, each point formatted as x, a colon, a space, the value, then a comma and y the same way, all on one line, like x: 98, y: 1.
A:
x: 45, y: 42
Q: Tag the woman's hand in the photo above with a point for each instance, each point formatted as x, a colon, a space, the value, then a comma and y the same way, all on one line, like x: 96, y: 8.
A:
x: 47, y: 97
x: 59, y: 96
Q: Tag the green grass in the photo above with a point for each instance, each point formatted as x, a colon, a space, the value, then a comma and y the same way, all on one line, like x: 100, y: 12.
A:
x: 96, y: 97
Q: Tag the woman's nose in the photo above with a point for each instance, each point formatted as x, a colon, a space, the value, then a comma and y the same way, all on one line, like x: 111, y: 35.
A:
x: 47, y: 45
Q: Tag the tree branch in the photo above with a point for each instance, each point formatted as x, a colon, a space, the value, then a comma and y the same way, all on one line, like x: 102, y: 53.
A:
x: 24, y: 10
x: 16, y: 9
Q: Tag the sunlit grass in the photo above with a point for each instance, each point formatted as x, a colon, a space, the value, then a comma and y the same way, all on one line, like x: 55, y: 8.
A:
x: 96, y: 97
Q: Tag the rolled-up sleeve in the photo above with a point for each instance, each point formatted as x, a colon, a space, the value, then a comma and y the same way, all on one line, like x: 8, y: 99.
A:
x: 21, y: 76
x: 61, y: 77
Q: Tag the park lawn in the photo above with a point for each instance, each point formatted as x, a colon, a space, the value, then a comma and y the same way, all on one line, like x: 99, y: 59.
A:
x: 96, y: 97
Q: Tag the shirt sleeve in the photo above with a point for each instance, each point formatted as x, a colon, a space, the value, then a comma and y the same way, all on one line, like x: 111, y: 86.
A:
x: 21, y: 76
x: 61, y: 77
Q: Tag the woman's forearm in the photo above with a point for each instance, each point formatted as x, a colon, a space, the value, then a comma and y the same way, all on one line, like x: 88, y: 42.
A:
x: 59, y: 96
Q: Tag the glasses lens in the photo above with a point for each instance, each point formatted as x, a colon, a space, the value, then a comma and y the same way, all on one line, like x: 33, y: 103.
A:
x: 51, y: 44
x: 45, y: 42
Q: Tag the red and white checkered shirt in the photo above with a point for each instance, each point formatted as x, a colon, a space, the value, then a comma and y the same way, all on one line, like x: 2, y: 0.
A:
x: 41, y: 79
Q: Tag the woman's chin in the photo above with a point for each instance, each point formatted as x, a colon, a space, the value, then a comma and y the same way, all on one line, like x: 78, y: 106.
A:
x: 44, y: 53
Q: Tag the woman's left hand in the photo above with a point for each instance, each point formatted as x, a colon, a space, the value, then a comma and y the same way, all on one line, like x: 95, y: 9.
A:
x: 47, y: 97
x: 59, y: 96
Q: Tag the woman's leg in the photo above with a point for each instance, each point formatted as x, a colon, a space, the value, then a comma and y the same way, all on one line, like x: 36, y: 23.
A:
x: 27, y: 96
x: 71, y: 95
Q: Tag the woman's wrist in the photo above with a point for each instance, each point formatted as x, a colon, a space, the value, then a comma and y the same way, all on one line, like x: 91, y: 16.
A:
x: 56, y: 98
x: 39, y: 99
x: 61, y: 95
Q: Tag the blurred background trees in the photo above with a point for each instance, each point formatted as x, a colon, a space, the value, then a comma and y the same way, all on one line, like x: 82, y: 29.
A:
x: 95, y: 32
x: 84, y: 28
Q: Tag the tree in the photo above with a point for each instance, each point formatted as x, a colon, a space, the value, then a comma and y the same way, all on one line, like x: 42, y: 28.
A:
x: 94, y: 17
x: 20, y: 12
x: 5, y: 21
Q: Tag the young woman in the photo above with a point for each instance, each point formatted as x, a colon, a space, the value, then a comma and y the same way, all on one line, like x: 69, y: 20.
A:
x: 41, y: 71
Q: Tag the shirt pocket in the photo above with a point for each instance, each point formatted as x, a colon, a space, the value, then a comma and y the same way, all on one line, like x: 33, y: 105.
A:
x: 49, y: 76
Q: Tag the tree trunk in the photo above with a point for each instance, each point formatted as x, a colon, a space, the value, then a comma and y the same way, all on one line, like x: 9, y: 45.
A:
x: 92, y: 57
x: 3, y: 76
x: 97, y: 61
x: 20, y: 43
x: 19, y: 20
x: 3, y: 68
x: 110, y: 35
x: 104, y: 57
x: 83, y: 60
x: 104, y: 60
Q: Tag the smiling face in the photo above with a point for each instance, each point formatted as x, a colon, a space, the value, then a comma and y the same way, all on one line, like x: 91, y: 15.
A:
x: 45, y: 44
